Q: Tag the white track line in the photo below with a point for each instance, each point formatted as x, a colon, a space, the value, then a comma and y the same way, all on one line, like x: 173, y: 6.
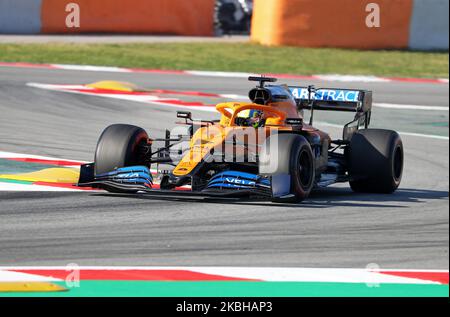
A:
x: 38, y: 157
x: 15, y: 187
x: 429, y: 136
x: 92, y: 68
x: 219, y: 74
x: 311, y: 275
x: 58, y: 87
x: 353, y: 78
x: 410, y: 107
x: 272, y: 274
x: 323, y: 77
x: 223, y: 74
x: 10, y: 276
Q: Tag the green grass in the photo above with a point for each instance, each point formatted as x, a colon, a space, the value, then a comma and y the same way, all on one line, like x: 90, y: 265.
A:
x: 240, y: 57
x: 241, y: 289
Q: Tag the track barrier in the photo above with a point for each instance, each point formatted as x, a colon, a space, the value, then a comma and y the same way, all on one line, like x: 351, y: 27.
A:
x: 416, y: 24
x: 174, y: 17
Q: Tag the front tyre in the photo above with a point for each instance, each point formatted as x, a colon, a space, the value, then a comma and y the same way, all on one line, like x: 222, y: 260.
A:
x: 290, y: 164
x: 118, y: 146
x: 375, y: 161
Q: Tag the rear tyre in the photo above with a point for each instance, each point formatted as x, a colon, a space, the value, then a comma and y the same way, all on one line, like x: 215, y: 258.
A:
x: 294, y: 157
x: 118, y: 146
x: 375, y: 161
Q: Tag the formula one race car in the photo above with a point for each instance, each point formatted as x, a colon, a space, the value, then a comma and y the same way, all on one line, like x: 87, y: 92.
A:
x: 259, y: 148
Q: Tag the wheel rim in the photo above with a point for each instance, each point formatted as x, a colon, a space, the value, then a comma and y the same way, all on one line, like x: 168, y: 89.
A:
x: 398, y: 163
x: 305, y: 169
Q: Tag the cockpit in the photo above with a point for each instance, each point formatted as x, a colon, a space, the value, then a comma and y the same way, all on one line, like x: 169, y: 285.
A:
x: 250, y: 118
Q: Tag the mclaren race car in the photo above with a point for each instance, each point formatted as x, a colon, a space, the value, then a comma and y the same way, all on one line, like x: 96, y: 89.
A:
x: 259, y: 148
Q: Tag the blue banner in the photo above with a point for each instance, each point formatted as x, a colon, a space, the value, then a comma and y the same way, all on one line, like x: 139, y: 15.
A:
x: 327, y: 94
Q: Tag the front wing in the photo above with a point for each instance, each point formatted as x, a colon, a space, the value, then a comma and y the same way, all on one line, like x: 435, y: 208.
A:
x: 139, y: 179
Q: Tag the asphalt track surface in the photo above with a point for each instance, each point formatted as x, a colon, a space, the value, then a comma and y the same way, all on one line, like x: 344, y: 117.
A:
x: 334, y: 228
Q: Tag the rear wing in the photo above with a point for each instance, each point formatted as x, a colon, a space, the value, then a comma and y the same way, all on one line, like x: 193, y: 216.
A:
x: 352, y: 100
x: 332, y: 99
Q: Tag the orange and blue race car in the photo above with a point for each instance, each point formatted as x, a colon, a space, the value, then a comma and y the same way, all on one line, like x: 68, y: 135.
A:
x: 260, y: 148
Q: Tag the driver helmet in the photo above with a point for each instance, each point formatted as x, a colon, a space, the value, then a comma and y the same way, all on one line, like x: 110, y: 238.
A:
x: 252, y: 118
